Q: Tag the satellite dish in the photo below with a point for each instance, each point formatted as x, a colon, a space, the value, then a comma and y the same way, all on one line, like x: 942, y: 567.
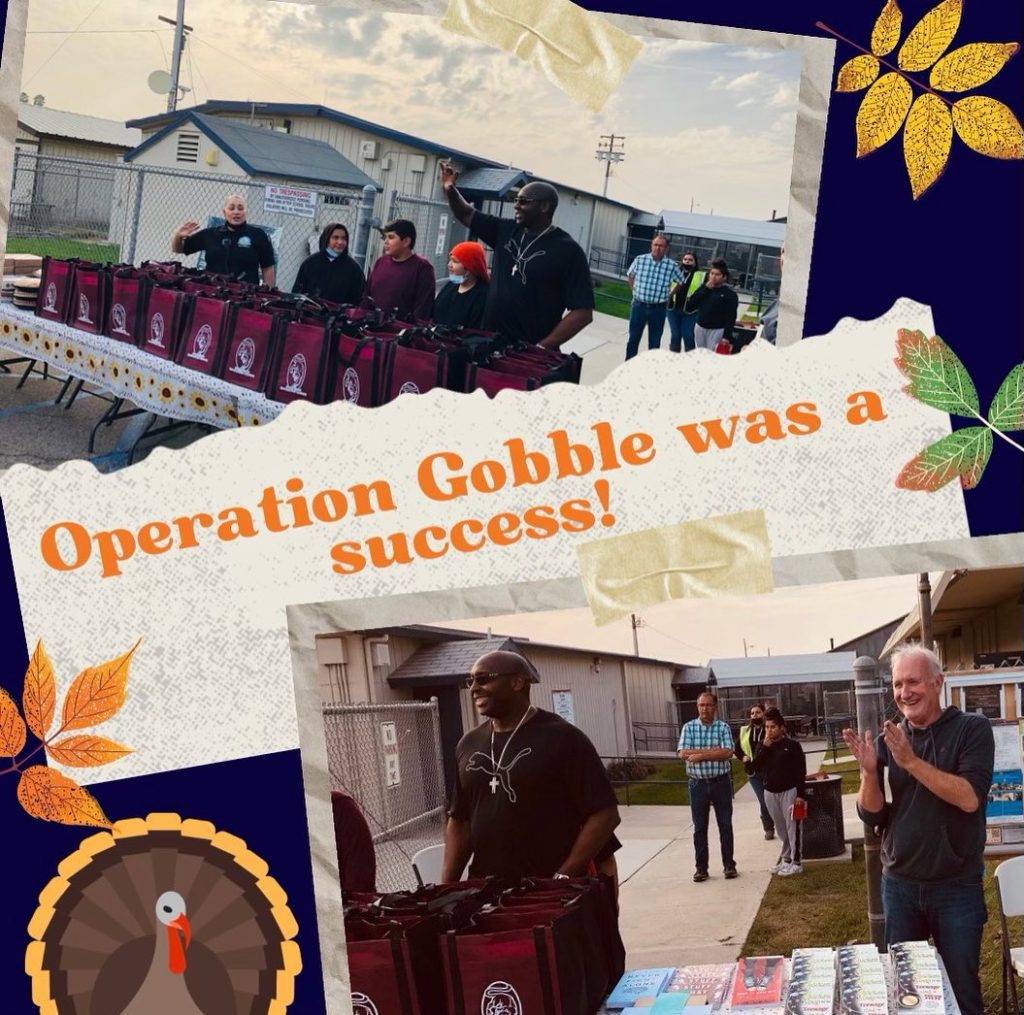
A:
x: 160, y: 82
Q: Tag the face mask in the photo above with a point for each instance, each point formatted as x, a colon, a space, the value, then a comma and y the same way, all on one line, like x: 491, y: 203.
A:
x: 457, y: 279
x: 332, y: 254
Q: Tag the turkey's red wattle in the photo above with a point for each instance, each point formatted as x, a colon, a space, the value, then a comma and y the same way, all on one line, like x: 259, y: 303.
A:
x: 177, y: 930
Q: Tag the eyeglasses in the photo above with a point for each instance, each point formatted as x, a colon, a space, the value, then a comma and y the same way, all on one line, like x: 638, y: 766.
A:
x: 483, y: 679
x: 525, y: 200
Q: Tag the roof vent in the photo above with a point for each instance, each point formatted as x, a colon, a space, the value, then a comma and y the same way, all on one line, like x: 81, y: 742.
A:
x: 188, y: 147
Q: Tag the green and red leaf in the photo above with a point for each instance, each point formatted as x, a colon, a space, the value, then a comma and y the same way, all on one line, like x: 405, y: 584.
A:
x: 1007, y: 409
x: 937, y: 377
x: 962, y: 454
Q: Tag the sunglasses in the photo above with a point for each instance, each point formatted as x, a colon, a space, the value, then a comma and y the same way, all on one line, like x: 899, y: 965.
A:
x: 483, y: 679
x: 526, y: 200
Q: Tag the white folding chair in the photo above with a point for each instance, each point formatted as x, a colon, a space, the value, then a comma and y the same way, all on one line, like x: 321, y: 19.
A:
x: 426, y: 864
x: 1010, y: 879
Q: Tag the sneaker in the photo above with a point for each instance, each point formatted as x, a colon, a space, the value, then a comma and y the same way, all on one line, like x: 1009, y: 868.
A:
x: 769, y: 834
x: 777, y: 867
x: 700, y: 876
x: 730, y: 873
x: 789, y: 869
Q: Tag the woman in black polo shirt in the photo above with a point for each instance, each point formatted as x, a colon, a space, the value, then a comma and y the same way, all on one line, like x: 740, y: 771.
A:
x: 235, y: 248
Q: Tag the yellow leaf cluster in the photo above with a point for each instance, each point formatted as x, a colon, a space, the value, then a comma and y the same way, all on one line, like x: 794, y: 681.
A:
x: 929, y: 122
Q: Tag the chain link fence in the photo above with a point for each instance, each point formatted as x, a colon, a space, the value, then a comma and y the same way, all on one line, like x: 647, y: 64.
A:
x: 126, y: 212
x: 437, y: 229
x: 388, y: 757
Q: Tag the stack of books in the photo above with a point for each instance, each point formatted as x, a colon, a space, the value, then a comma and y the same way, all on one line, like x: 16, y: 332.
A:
x: 812, y: 982
x: 916, y: 978
x: 862, y: 986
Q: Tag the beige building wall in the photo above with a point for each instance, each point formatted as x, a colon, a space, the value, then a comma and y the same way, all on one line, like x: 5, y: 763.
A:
x: 650, y: 691
x: 996, y: 629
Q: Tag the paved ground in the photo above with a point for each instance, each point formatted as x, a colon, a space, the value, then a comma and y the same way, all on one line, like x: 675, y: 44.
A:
x: 35, y: 430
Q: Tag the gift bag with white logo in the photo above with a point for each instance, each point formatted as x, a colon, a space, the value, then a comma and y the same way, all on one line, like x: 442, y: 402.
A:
x: 415, y: 364
x: 357, y: 363
x: 90, y: 296
x: 55, y: 287
x: 252, y: 341
x: 301, y: 367
x: 203, y: 342
x: 528, y: 962
x: 129, y: 292
x: 380, y: 968
x: 162, y: 321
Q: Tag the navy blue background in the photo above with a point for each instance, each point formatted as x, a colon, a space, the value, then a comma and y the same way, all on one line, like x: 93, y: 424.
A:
x: 957, y: 249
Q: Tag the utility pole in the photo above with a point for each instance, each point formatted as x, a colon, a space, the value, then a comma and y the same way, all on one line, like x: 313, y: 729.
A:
x: 180, y: 35
x: 609, y: 150
x: 636, y: 623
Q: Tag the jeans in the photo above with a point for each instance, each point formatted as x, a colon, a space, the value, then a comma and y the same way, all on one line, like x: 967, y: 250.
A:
x: 954, y: 915
x: 704, y: 796
x: 680, y: 329
x: 651, y: 315
x: 757, y: 785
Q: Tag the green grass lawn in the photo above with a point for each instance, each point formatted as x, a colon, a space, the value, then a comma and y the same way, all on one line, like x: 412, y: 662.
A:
x: 612, y: 298
x: 58, y: 246
x: 827, y: 906
x: 668, y: 785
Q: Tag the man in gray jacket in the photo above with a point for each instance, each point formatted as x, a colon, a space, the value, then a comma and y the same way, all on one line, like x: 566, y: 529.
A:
x: 939, y: 765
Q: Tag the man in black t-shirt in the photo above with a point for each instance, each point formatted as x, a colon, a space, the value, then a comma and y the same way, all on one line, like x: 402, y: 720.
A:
x: 539, y: 270
x: 531, y: 797
x: 234, y: 248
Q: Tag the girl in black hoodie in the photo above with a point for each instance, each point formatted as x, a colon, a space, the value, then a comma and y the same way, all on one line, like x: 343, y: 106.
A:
x: 331, y: 274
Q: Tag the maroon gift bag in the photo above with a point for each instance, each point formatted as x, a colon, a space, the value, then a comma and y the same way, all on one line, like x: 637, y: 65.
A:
x: 129, y: 293
x: 90, y: 295
x: 252, y: 342
x: 491, y: 379
x: 162, y: 321
x: 58, y: 278
x: 301, y: 367
x: 203, y: 341
x: 513, y: 959
x: 414, y: 365
x: 357, y: 369
x: 380, y: 970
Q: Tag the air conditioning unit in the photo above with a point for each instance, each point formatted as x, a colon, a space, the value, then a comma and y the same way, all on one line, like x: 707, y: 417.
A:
x: 381, y: 654
x: 368, y: 150
x: 417, y: 163
x: 385, y: 163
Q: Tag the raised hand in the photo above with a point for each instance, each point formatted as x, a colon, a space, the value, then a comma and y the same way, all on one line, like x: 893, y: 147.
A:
x: 446, y: 175
x: 899, y: 746
x: 187, y: 228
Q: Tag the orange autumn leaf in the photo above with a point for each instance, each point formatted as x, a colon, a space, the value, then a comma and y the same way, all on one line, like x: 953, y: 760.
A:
x: 97, y: 693
x: 12, y: 726
x: 50, y: 796
x: 39, y: 698
x: 85, y: 750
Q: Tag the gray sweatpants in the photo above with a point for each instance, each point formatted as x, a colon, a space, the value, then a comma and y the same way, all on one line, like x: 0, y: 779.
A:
x: 780, y: 807
x: 707, y: 338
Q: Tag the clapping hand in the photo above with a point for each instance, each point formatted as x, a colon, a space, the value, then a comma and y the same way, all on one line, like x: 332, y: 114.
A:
x: 446, y: 175
x: 862, y: 748
x: 899, y: 746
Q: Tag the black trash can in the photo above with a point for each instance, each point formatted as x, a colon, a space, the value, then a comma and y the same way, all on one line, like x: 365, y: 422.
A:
x: 823, y: 833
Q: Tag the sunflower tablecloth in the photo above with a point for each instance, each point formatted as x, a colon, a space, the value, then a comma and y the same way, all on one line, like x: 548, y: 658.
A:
x: 147, y: 381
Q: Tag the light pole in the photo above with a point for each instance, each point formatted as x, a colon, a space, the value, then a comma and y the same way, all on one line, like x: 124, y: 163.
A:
x: 180, y: 30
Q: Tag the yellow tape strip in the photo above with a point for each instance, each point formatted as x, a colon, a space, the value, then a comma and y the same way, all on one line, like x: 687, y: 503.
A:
x: 575, y: 50
x: 724, y: 555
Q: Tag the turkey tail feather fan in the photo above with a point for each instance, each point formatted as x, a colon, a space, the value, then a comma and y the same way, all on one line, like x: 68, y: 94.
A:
x: 162, y: 917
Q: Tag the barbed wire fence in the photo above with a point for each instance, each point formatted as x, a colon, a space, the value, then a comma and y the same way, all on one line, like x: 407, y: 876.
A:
x: 388, y: 758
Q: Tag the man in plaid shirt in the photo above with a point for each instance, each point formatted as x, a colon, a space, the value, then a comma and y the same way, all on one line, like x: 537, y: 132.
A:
x: 706, y: 745
x: 650, y: 276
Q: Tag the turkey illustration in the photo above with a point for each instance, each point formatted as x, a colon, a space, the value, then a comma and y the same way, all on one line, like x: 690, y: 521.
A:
x: 162, y: 916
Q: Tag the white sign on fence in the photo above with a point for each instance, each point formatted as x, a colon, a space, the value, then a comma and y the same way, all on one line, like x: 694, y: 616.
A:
x: 561, y: 704
x: 290, y: 201
x: 388, y: 734
x: 392, y: 770
x: 442, y: 233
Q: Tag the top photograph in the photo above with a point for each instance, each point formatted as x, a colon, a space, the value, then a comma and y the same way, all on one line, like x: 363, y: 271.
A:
x: 214, y: 231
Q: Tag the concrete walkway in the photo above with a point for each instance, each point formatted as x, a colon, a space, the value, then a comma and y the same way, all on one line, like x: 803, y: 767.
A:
x: 666, y: 919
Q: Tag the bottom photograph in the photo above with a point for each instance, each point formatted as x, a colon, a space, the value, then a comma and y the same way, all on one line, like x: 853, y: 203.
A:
x: 803, y: 802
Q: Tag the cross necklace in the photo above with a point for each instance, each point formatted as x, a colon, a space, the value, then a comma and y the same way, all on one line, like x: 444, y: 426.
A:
x: 496, y: 767
x: 520, y: 251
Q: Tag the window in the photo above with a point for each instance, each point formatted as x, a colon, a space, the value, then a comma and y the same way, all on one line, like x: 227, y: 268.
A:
x: 985, y: 700
x: 188, y: 147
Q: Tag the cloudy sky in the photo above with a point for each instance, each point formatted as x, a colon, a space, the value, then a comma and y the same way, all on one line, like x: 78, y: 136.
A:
x: 704, y: 122
x: 791, y: 620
